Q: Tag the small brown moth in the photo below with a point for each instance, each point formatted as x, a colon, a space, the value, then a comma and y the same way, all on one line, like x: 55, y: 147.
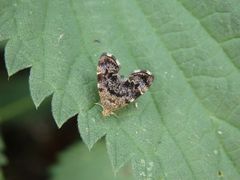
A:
x: 116, y: 92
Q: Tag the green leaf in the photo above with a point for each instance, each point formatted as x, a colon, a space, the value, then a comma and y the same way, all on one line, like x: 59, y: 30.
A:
x: 187, y: 125
x: 3, y: 159
x: 78, y: 163
x: 14, y: 104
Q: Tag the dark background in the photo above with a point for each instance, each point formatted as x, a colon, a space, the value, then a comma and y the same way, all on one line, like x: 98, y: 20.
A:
x: 31, y: 137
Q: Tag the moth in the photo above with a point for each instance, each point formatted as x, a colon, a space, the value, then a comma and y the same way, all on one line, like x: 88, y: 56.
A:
x: 114, y: 90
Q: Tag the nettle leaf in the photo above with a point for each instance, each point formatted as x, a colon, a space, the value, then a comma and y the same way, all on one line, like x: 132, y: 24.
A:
x: 187, y: 125
x: 78, y: 163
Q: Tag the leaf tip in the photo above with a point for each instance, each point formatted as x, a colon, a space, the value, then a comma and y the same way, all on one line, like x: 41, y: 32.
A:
x: 89, y: 146
x: 36, y: 104
x: 59, y: 123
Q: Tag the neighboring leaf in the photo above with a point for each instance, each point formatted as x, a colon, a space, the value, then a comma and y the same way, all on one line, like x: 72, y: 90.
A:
x: 78, y: 163
x: 3, y: 159
x: 187, y: 125
x: 14, y: 104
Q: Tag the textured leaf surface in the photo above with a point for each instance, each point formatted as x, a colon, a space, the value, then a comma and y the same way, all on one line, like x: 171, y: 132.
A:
x: 187, y: 125
x: 78, y: 163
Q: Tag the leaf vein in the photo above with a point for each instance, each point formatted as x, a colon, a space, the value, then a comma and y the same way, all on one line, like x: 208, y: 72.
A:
x: 210, y: 35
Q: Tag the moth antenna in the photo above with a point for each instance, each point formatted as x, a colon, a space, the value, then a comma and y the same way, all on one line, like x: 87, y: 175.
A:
x: 99, y: 105
x: 115, y: 115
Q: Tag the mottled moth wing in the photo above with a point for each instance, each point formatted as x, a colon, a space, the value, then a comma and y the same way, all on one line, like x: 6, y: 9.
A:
x: 140, y: 81
x: 116, y: 92
x: 107, y: 65
x: 108, y: 82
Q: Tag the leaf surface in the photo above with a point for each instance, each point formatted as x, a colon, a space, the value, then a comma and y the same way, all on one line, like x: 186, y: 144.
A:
x: 187, y: 125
